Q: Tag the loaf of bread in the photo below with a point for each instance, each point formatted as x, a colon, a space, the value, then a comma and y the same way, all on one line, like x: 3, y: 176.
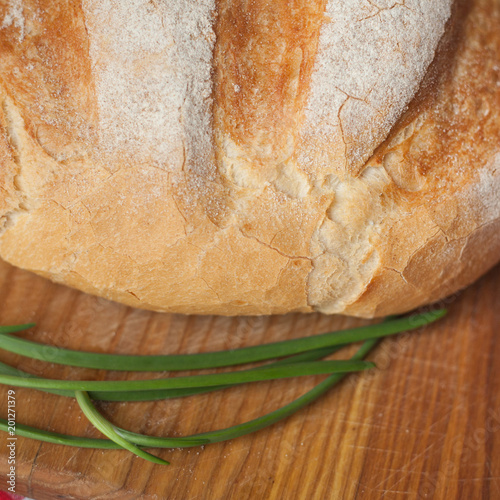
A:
x: 252, y: 157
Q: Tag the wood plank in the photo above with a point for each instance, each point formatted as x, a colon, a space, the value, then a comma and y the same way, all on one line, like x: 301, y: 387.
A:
x: 424, y: 424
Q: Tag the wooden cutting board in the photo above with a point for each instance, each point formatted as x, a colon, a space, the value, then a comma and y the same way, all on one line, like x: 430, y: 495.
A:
x: 424, y: 424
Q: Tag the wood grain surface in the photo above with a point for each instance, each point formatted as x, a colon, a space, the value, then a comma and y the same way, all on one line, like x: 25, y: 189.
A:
x: 424, y: 424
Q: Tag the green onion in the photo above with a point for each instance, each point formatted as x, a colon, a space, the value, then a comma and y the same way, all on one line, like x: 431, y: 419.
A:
x: 268, y: 372
x: 150, y: 395
x: 16, y: 328
x: 108, y: 429
x: 57, y: 438
x: 302, y: 361
x: 270, y: 418
x: 196, y: 439
x: 210, y: 359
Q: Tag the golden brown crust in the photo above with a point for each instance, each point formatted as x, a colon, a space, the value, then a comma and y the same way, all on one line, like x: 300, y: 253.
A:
x: 264, y: 59
x: 257, y: 232
x: 447, y: 233
x: 48, y: 73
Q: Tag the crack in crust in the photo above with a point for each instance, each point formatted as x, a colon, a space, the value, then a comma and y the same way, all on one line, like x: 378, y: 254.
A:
x: 12, y: 124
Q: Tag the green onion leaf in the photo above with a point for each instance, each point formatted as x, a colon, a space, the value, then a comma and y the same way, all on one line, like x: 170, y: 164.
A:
x: 150, y: 395
x: 265, y: 420
x: 30, y: 432
x: 15, y: 328
x: 103, y: 425
x: 216, y: 359
x: 268, y: 372
x: 196, y: 439
x: 302, y: 353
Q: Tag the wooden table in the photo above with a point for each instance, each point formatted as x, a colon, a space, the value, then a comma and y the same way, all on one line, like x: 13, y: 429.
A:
x: 424, y: 424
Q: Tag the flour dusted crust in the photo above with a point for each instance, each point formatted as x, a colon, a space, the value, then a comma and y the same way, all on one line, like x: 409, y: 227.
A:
x: 252, y: 157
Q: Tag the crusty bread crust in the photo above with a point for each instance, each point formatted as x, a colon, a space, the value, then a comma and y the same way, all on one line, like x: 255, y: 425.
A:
x: 260, y: 222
